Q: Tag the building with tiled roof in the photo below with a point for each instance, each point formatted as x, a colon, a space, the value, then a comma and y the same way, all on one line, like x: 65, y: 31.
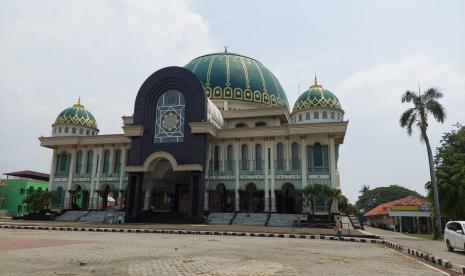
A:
x: 407, y: 214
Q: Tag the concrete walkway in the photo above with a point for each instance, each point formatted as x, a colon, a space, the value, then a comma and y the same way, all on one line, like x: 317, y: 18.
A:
x: 435, y: 248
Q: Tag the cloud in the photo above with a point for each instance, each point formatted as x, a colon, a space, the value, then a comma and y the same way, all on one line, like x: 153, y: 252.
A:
x: 52, y: 52
x: 377, y: 151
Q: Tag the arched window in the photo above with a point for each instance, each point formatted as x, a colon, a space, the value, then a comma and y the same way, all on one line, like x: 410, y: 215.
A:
x: 339, y: 116
x: 59, y: 130
x: 244, y: 157
x: 258, y: 157
x: 106, y: 161
x: 87, y: 132
x: 81, y: 131
x: 240, y: 125
x: 229, y: 157
x: 317, y: 155
x: 66, y: 129
x: 169, y: 126
x: 280, y: 156
x: 325, y: 115
x: 117, y: 163
x: 78, y: 162
x: 300, y: 117
x: 316, y: 115
x: 295, y: 156
x: 89, y: 163
x: 73, y: 130
x: 333, y: 115
x: 307, y: 115
x: 216, y: 158
x: 260, y: 124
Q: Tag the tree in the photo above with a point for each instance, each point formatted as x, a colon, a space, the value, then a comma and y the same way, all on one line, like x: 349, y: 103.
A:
x: 364, y: 189
x: 450, y: 171
x: 312, y: 192
x: 424, y: 105
x: 372, y: 198
x: 40, y: 200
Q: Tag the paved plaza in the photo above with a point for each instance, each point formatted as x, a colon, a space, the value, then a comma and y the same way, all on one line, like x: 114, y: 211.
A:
x: 24, y: 252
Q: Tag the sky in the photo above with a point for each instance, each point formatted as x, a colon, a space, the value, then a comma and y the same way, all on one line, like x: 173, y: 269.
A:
x: 367, y: 52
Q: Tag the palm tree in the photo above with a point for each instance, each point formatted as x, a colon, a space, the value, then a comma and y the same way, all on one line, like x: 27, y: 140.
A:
x: 424, y: 105
x: 320, y: 191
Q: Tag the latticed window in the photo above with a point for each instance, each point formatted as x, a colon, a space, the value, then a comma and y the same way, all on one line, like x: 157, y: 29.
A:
x: 258, y: 157
x: 317, y: 155
x: 316, y: 115
x: 169, y: 126
x: 280, y: 156
x: 216, y: 158
x: 117, y: 164
x: 78, y: 162
x: 244, y: 157
x: 89, y: 163
x: 325, y: 115
x: 229, y: 157
x: 106, y: 161
x: 295, y: 156
x: 307, y: 115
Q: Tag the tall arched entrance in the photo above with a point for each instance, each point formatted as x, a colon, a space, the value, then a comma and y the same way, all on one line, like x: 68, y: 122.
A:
x: 164, y: 190
x: 287, y: 199
x: 251, y: 199
x: 221, y: 199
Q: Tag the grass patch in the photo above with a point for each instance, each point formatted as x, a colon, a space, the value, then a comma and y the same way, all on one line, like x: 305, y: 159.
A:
x: 421, y: 236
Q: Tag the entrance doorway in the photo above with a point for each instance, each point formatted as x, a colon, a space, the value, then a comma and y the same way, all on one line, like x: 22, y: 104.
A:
x: 287, y: 199
x: 252, y: 200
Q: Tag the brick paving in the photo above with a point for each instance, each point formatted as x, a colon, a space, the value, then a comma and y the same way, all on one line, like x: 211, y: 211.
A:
x: 166, y: 254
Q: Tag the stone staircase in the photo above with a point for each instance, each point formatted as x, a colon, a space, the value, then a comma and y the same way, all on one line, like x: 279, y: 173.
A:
x: 71, y: 215
x: 5, y: 214
x: 251, y: 219
x: 355, y: 222
x: 220, y: 218
x: 285, y: 220
x: 94, y: 216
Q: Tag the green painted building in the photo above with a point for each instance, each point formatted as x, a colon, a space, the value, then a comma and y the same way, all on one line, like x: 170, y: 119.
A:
x: 16, y: 187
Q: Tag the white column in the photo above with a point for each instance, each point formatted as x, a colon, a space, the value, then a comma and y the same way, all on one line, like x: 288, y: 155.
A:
x: 266, y: 174
x: 332, y: 162
x: 121, y: 175
x: 72, y: 168
x: 236, y: 173
x: 250, y: 155
x: 332, y: 168
x: 207, y: 171
x: 95, y: 175
x: 121, y: 169
x: 273, y: 194
x: 52, y: 170
x: 147, y: 199
x: 303, y: 162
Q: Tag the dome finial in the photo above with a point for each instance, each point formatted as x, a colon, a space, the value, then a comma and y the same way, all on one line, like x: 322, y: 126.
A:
x: 315, y: 83
x: 78, y: 104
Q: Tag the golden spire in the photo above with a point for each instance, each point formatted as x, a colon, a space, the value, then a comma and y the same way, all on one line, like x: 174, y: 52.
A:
x: 78, y: 104
x: 315, y: 83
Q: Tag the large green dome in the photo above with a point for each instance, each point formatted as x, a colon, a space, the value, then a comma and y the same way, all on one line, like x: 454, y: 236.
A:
x: 77, y: 115
x: 228, y: 76
x: 316, y: 96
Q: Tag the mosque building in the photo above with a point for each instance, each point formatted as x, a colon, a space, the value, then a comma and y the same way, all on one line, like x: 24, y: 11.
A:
x: 217, y: 135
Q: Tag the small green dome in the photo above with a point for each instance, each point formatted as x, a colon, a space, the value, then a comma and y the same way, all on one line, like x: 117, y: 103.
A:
x: 316, y: 96
x: 228, y: 76
x: 77, y: 115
